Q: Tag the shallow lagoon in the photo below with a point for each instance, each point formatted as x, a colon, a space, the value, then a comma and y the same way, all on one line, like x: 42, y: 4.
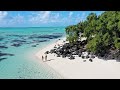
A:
x: 24, y: 43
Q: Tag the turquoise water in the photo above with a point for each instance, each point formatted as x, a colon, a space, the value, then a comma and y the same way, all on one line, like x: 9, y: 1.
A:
x: 23, y: 64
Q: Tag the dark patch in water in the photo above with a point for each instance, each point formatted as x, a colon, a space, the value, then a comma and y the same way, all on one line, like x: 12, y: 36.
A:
x: 33, y: 45
x: 3, y: 47
x: 37, y: 41
x: 16, y: 45
x: 49, y: 36
x: 5, y: 42
x: 18, y: 41
x: 16, y: 35
x: 2, y: 59
x: 29, y: 43
x: 45, y: 36
x: 5, y: 54
x: 57, y: 33
x: 1, y: 39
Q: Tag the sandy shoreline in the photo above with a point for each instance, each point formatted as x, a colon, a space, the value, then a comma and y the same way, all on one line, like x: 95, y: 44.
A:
x: 77, y: 69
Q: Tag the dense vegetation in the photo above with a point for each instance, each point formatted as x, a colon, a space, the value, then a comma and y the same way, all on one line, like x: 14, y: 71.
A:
x: 102, y: 33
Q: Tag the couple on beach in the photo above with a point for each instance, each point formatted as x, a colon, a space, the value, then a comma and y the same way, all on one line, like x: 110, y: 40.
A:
x: 45, y: 57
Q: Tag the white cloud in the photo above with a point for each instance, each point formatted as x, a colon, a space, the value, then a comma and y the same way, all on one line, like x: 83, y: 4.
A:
x: 70, y: 14
x: 41, y: 16
x: 57, y: 15
x: 80, y: 17
x: 7, y: 20
x: 45, y: 15
x: 3, y: 14
x: 18, y: 19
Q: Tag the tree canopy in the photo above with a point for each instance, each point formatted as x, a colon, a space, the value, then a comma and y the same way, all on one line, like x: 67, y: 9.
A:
x: 102, y: 32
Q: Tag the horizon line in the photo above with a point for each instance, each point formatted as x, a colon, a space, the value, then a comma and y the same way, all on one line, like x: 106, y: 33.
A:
x: 33, y: 27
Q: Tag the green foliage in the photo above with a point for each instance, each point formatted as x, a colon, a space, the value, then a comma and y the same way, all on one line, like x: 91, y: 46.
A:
x: 106, y: 39
x: 72, y: 33
x: 105, y: 28
x: 117, y: 43
x: 95, y: 45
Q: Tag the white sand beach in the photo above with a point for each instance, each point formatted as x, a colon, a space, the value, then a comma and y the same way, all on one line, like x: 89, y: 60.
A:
x: 77, y: 69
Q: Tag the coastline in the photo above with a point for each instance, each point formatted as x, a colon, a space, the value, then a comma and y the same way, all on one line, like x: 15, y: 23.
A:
x: 77, y: 69
x: 39, y: 54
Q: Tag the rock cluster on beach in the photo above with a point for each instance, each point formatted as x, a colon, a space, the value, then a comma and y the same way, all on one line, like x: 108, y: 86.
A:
x: 71, y: 50
x: 78, y: 49
x: 111, y: 55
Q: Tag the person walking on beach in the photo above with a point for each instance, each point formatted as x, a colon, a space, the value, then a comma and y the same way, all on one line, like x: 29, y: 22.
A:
x: 42, y: 58
x: 46, y: 57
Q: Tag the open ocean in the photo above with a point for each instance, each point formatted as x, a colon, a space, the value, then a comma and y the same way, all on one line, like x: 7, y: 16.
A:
x: 18, y: 47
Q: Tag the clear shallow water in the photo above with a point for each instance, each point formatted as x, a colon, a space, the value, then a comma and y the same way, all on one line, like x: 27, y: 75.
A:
x: 24, y: 64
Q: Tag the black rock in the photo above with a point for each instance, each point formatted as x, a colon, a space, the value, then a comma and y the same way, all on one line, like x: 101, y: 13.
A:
x: 92, y: 56
x: 110, y: 56
x: 75, y: 52
x: 57, y: 52
x: 84, y: 60
x: 55, y: 47
x: 79, y: 54
x: 71, y: 57
x: 58, y: 55
x: 83, y: 57
x: 100, y: 57
x: 90, y: 60
x: 87, y: 56
x: 84, y: 42
x: 83, y: 50
x: 47, y: 52
x: 88, y: 52
x: 117, y: 56
x: 63, y: 56
x: 68, y: 55
x: 74, y: 48
x: 53, y: 51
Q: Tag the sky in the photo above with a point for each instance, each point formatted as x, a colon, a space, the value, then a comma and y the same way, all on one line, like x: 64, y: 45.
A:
x: 42, y: 18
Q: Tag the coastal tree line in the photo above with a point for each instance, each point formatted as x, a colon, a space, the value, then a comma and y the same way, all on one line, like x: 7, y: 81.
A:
x: 102, y: 32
